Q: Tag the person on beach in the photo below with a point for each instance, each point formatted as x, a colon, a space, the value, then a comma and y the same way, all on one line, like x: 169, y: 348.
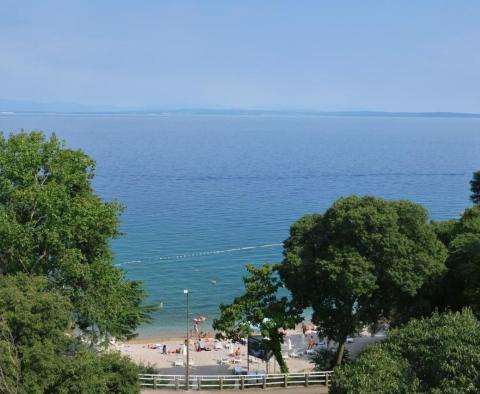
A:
x: 236, y: 353
x: 311, y: 343
x: 195, y: 328
x: 164, y: 349
x: 304, y: 329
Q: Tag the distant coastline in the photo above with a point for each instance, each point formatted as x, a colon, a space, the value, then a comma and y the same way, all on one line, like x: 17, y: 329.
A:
x: 243, y: 112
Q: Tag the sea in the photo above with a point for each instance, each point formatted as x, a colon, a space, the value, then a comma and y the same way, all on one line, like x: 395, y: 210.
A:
x: 207, y: 194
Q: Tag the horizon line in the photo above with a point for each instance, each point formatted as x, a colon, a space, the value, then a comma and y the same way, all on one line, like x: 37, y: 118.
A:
x: 243, y: 111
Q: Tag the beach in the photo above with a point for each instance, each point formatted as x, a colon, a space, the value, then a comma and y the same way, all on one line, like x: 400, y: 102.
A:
x: 218, y: 361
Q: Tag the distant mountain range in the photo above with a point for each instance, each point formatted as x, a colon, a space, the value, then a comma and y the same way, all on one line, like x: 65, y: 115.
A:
x: 19, y: 106
x: 60, y: 107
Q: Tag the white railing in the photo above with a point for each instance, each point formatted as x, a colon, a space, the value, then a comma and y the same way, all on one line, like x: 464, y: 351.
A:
x: 224, y: 382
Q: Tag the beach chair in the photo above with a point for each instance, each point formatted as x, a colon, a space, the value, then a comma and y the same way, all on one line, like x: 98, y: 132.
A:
x: 178, y: 362
x: 285, y: 355
x: 294, y: 354
x: 237, y: 360
x: 218, y: 345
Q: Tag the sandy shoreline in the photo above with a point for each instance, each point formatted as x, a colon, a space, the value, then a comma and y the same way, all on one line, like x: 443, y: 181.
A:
x: 219, y: 361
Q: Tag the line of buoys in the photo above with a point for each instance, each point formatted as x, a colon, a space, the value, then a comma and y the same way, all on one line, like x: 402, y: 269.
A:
x: 198, y: 254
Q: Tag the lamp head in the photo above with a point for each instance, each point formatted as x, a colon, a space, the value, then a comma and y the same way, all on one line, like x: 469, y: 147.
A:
x: 185, y: 291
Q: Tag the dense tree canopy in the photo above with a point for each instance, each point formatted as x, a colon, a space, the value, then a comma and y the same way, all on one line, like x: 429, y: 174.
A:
x: 108, y: 373
x: 460, y: 286
x: 435, y: 355
x: 360, y: 261
x: 35, y: 319
x: 260, y: 306
x: 38, y: 353
x: 475, y: 187
x: 53, y: 224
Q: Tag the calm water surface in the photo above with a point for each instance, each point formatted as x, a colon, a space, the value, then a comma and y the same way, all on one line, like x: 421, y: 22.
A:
x: 207, y: 194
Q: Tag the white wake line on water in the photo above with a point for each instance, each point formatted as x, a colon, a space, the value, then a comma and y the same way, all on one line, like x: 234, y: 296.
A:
x: 197, y: 254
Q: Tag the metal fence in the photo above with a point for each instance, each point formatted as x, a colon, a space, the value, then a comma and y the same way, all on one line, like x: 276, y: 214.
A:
x: 229, y: 382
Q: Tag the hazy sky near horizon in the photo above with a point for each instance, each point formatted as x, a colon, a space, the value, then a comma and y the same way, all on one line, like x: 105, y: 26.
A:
x: 317, y: 55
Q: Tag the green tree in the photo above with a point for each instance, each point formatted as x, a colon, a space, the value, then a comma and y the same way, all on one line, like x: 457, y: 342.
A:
x: 460, y: 286
x: 475, y: 187
x: 434, y: 355
x: 38, y: 353
x: 53, y: 224
x: 375, y: 371
x: 260, y: 306
x: 9, y: 361
x: 35, y: 319
x: 88, y: 372
x: 359, y: 262
x: 326, y: 359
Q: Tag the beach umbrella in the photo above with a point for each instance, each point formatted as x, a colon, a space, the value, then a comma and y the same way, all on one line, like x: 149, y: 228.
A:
x: 199, y: 319
x: 184, y: 349
x: 289, y: 342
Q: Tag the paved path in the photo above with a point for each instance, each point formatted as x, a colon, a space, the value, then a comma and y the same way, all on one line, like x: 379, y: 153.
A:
x: 290, y: 390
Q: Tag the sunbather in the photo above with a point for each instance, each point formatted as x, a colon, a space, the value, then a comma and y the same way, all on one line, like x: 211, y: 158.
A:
x: 236, y: 353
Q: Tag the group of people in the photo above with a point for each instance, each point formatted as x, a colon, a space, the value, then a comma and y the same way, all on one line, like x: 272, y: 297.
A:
x: 164, y: 348
x: 200, y: 345
x: 236, y: 353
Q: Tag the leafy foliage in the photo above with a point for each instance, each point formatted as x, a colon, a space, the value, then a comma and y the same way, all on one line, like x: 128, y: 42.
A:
x: 463, y: 277
x: 37, y: 352
x: 35, y: 318
x: 376, y: 371
x: 88, y: 372
x: 9, y: 362
x: 475, y: 187
x: 434, y: 355
x: 53, y: 224
x: 259, y: 306
x: 325, y: 359
x: 360, y: 261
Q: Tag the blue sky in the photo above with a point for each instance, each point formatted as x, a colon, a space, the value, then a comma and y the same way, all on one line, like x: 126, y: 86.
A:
x: 316, y: 55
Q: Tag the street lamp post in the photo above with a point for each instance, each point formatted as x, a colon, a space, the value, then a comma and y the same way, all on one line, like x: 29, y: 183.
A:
x: 187, y: 368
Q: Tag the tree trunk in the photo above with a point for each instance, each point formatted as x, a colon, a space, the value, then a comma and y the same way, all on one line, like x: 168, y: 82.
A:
x: 275, y: 345
x: 341, y: 348
x: 281, y: 362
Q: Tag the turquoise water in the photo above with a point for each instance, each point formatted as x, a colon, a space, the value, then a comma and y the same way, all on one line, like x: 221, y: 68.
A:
x: 207, y: 194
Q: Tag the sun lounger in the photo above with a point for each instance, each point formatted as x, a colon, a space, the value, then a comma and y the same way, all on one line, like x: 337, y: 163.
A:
x: 218, y: 345
x: 178, y: 362
x: 223, y: 361
x: 294, y: 354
